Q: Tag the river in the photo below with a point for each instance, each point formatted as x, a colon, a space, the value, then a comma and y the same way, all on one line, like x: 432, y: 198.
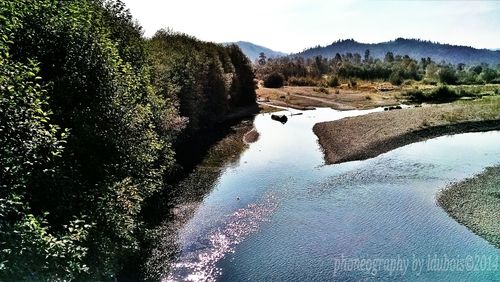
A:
x: 281, y: 214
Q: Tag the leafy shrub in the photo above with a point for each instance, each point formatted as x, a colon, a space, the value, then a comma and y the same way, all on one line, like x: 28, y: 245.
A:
x: 447, y: 75
x: 30, y: 147
x: 395, y: 79
x: 488, y: 75
x: 274, y: 80
x: 442, y: 93
x: 416, y: 95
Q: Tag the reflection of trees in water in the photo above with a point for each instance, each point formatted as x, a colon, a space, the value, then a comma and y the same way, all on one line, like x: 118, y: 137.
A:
x: 185, y: 197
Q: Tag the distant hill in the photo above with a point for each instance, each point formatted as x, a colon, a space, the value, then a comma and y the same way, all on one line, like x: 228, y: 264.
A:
x: 252, y: 50
x: 412, y: 47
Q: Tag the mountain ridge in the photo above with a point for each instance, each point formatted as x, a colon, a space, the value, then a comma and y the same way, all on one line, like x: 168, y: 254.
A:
x: 414, y: 48
x: 252, y: 51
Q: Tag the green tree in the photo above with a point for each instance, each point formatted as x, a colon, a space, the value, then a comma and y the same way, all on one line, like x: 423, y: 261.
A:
x: 116, y: 153
x: 274, y: 80
x: 30, y: 148
x: 243, y: 86
x: 262, y: 59
x: 488, y: 75
x: 389, y: 57
x: 447, y: 75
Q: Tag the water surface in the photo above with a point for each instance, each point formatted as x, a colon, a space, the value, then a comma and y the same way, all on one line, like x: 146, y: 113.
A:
x: 281, y: 214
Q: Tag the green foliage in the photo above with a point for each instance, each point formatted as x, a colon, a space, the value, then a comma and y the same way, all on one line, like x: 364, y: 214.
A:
x: 447, y: 75
x: 70, y: 200
x: 31, y: 251
x: 243, y: 85
x: 395, y: 78
x: 439, y: 94
x: 30, y: 146
x: 206, y: 80
x: 488, y: 75
x: 274, y: 80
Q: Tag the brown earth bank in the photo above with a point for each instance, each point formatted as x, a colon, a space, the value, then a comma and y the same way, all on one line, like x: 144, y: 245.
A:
x: 363, y: 137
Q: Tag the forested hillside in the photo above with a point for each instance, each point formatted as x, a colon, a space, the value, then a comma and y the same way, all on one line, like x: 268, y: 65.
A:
x: 349, y: 67
x: 90, y: 113
x: 414, y: 48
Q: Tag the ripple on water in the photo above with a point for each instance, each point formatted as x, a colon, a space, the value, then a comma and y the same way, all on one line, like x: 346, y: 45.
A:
x: 200, y: 265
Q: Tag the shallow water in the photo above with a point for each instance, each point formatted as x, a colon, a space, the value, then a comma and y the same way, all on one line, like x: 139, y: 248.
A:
x: 280, y: 214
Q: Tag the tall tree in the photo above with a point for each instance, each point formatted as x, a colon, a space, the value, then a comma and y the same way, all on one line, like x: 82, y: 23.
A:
x: 262, y: 59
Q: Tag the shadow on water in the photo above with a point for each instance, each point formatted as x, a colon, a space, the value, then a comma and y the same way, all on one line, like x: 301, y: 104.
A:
x: 200, y: 163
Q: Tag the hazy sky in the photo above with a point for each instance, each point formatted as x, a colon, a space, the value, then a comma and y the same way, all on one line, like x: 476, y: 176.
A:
x: 293, y: 25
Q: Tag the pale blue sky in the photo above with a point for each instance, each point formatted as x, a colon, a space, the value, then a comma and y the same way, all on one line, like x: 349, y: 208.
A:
x: 292, y: 25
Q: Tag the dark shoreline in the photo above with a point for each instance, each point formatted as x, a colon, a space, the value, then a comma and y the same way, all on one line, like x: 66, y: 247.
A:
x: 175, y: 205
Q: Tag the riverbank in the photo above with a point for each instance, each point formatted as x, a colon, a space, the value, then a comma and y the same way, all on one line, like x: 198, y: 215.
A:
x: 340, y: 98
x: 475, y: 203
x: 367, y: 136
x: 364, y: 95
x: 185, y: 196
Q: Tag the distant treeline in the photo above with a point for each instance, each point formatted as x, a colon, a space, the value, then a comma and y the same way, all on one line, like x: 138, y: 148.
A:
x: 90, y: 115
x: 395, y: 69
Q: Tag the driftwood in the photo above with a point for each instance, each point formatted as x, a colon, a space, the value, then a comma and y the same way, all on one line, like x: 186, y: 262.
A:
x: 281, y: 118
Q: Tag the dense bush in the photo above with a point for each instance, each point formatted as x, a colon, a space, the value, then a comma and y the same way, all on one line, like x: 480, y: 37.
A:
x: 442, y: 93
x: 274, y: 80
x: 448, y: 75
x: 30, y: 147
x: 395, y: 78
